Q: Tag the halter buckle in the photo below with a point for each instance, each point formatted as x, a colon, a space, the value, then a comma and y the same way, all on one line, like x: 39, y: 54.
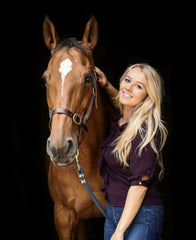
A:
x: 76, y: 119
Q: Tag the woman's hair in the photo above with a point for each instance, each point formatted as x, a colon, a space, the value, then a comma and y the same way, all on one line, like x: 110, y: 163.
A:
x: 145, y: 119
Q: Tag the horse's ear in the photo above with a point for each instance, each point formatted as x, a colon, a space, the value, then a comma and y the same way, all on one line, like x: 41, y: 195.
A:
x: 51, y: 38
x: 90, y: 36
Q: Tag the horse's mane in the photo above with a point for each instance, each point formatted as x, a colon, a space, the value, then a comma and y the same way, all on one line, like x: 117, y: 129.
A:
x: 69, y: 43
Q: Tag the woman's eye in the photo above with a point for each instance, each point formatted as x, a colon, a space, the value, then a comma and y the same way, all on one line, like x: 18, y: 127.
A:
x: 88, y: 79
x: 138, y: 86
x: 127, y: 80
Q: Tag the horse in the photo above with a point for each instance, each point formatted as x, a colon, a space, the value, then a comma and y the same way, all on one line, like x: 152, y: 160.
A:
x: 80, y: 115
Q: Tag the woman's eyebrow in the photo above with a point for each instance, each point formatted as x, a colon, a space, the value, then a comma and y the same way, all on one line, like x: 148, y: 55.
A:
x: 135, y: 80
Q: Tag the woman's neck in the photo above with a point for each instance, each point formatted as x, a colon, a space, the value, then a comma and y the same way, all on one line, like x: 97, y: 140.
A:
x: 126, y: 114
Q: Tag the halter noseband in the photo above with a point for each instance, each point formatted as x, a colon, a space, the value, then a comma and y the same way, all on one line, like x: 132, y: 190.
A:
x: 74, y: 116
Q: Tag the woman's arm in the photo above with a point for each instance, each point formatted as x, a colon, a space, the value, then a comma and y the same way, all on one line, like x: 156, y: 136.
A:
x: 110, y: 89
x: 133, y: 203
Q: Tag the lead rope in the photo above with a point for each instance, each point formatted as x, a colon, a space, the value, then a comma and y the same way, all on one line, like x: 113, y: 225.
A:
x: 80, y: 171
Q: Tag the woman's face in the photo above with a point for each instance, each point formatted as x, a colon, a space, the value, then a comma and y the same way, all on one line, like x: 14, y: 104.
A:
x: 133, y: 89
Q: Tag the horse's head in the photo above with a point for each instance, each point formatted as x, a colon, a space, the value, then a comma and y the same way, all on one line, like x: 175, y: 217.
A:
x: 70, y: 90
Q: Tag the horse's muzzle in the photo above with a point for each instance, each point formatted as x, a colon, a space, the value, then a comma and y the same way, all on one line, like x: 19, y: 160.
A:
x: 62, y: 155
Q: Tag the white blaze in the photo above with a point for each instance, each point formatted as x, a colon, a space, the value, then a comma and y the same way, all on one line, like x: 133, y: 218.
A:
x: 65, y: 68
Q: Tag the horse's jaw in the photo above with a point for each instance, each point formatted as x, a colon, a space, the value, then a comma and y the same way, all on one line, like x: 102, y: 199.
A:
x: 63, y: 164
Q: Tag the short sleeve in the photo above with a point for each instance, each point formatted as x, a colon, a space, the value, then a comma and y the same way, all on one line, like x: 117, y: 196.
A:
x: 142, y: 167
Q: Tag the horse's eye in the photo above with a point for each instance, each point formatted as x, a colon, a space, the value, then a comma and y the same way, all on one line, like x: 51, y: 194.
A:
x: 44, y: 77
x: 88, y: 78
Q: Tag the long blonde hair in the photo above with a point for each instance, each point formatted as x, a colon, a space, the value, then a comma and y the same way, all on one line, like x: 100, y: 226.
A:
x: 145, y: 119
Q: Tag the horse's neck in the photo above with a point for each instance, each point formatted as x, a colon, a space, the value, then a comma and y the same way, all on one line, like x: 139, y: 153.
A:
x: 104, y: 107
x: 100, y: 120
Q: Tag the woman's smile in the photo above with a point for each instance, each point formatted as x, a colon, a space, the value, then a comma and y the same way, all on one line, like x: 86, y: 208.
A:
x: 126, y: 94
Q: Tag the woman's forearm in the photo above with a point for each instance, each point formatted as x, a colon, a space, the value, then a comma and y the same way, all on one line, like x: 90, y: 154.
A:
x: 112, y: 93
x: 133, y: 203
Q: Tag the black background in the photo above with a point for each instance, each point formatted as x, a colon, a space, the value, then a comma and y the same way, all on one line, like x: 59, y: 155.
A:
x: 129, y: 32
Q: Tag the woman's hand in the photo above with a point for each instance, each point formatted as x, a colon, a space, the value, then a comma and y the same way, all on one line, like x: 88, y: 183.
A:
x: 101, y: 78
x: 117, y: 236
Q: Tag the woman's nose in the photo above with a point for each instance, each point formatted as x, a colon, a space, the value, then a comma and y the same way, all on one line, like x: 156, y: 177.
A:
x: 129, y: 86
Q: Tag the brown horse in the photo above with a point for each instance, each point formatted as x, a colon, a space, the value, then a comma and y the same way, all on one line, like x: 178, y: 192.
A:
x: 80, y: 116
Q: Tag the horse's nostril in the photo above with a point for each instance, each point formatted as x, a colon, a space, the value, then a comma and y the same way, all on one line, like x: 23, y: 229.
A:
x: 48, y: 143
x: 70, y: 147
x: 48, y: 147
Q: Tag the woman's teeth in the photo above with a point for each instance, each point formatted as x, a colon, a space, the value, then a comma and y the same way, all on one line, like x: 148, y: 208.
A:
x: 125, y: 94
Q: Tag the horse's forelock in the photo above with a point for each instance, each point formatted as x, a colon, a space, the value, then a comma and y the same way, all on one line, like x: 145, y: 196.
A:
x: 70, y: 43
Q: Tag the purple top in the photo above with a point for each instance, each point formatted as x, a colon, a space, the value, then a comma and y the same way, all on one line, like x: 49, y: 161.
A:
x: 118, y: 179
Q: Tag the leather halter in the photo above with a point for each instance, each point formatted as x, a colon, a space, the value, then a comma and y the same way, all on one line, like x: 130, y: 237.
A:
x: 74, y: 116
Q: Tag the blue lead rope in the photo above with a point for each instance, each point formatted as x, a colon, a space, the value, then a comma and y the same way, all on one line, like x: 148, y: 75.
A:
x: 83, y: 181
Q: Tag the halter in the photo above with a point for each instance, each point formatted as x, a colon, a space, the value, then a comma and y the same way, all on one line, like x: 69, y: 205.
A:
x: 81, y: 123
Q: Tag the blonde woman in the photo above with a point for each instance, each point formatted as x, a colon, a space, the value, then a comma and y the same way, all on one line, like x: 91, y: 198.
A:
x: 130, y: 161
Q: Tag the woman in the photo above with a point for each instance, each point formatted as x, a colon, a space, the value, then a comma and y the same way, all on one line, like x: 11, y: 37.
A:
x: 130, y: 161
